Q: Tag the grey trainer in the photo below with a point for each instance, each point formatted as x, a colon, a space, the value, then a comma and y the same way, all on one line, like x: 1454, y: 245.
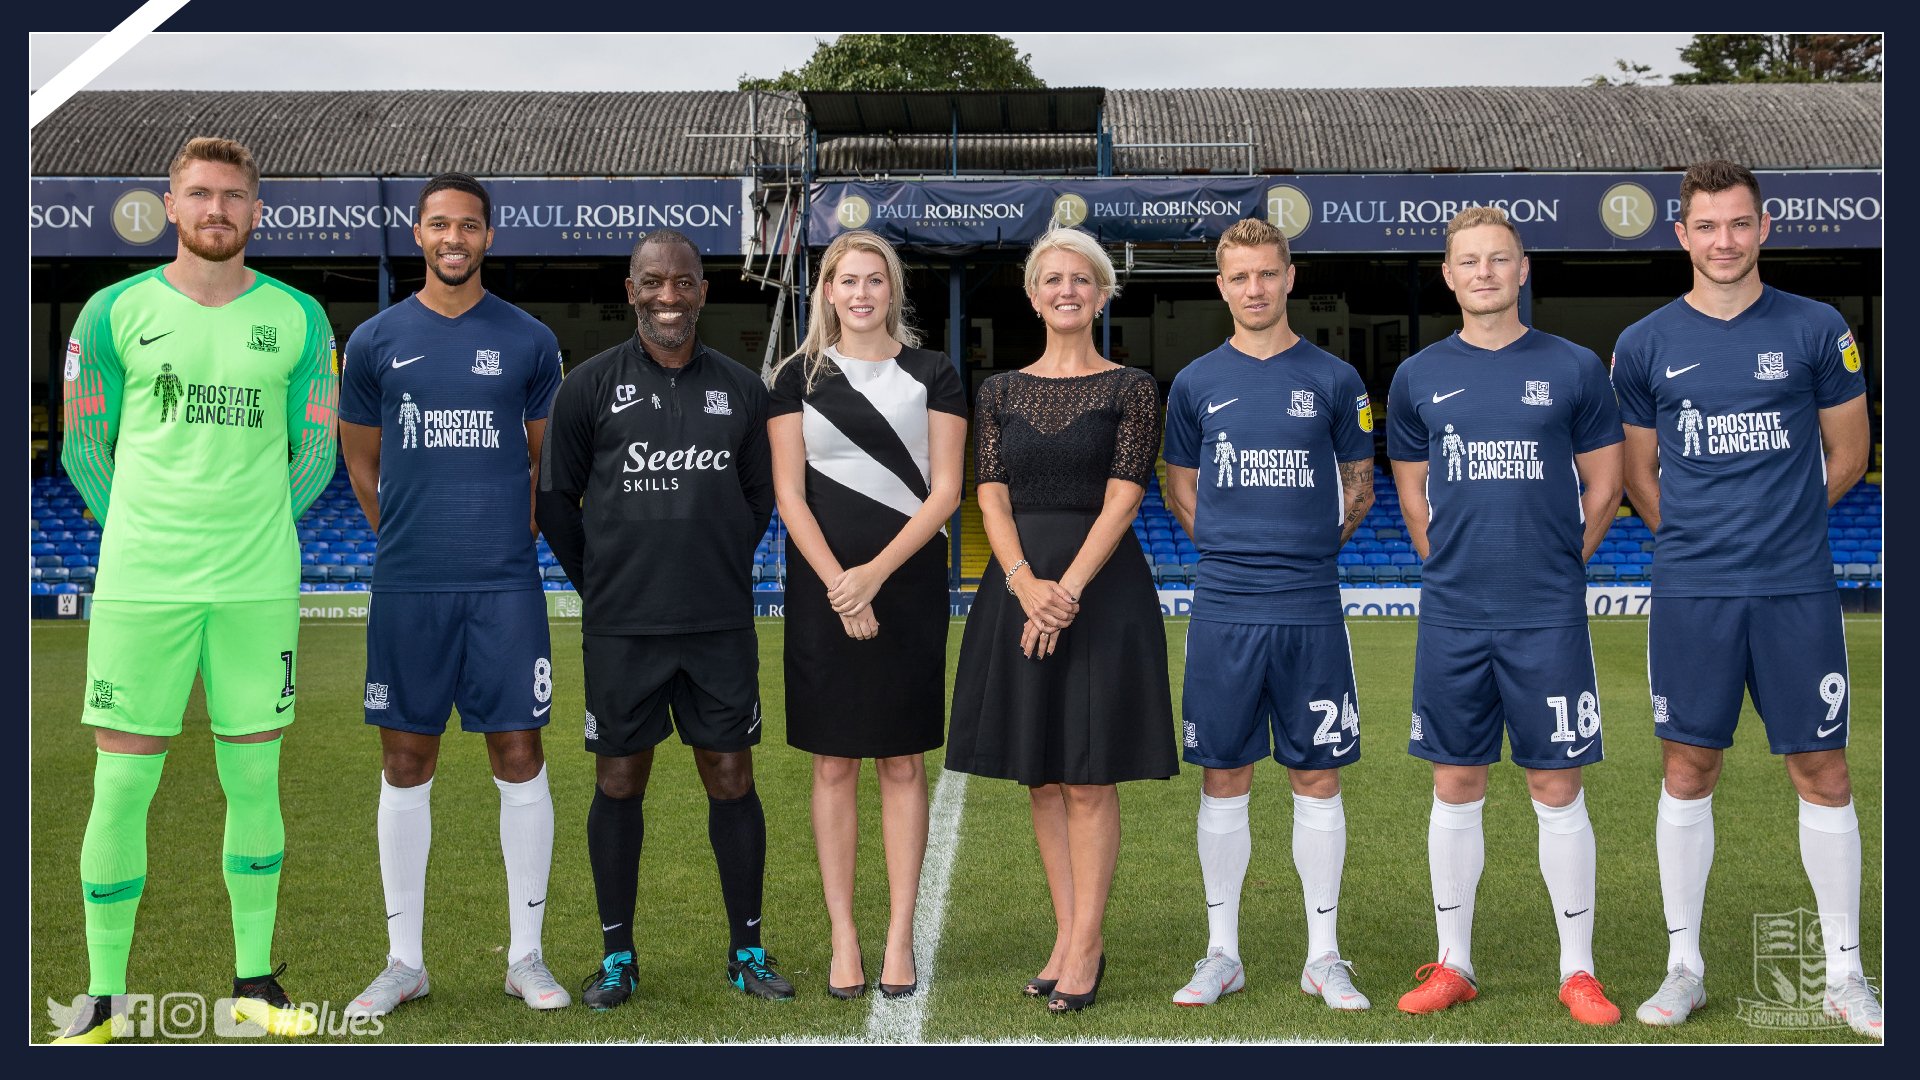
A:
x: 530, y: 981
x: 1331, y: 980
x: 1214, y: 976
x: 1680, y: 993
x: 398, y: 983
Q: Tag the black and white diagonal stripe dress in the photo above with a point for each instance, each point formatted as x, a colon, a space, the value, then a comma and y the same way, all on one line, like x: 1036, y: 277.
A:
x: 867, y: 474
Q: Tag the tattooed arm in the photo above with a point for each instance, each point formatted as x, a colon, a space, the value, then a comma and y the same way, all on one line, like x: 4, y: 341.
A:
x: 1356, y: 483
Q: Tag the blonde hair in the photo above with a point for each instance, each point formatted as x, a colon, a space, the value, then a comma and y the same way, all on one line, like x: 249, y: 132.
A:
x: 823, y: 323
x: 1253, y: 232
x: 218, y: 151
x: 1081, y: 244
x: 1475, y: 216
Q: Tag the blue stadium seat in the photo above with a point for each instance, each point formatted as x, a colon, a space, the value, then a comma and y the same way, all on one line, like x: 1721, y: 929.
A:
x: 554, y: 573
x: 1610, y: 558
x: 43, y: 548
x: 1411, y: 573
x: 1361, y: 574
x: 313, y: 574
x: 767, y: 586
x: 1388, y: 534
x: 1633, y: 572
x: 1859, y: 571
x: 1367, y: 547
x: 42, y: 588
x: 1602, y: 573
x: 1349, y: 558
x: 1405, y: 558
x: 1363, y: 533
x: 1387, y: 574
x: 49, y: 561
x: 1640, y: 558
x: 1379, y: 558
x: 1395, y: 547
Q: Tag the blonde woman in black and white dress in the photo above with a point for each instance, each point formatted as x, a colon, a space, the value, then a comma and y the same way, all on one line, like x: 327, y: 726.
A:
x: 867, y: 434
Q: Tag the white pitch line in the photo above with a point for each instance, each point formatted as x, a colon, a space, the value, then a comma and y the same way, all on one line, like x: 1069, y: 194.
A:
x: 99, y: 57
x: 900, y: 1021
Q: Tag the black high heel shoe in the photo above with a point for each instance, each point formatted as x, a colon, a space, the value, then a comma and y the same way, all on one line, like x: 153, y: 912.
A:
x: 1038, y: 987
x: 896, y: 991
x: 848, y: 993
x: 1060, y: 1002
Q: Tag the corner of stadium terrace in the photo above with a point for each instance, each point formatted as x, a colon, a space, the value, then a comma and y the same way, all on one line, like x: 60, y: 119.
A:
x: 1362, y: 181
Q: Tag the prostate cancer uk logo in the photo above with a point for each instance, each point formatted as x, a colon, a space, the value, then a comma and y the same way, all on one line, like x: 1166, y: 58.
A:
x: 1790, y: 971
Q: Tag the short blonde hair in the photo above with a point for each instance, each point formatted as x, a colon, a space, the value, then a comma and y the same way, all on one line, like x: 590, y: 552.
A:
x: 1079, y: 243
x: 1475, y: 216
x: 218, y: 151
x: 1253, y: 232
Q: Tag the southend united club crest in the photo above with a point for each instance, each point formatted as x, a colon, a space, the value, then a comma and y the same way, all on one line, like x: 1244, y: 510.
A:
x: 1773, y: 365
x: 1302, y: 404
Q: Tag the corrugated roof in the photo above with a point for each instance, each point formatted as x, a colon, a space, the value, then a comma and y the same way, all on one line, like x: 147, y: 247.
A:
x: 1501, y: 128
x: 1415, y: 129
x: 972, y: 112
x: 416, y: 132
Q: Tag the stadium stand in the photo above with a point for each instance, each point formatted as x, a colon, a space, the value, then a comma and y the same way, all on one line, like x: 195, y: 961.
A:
x: 337, y: 545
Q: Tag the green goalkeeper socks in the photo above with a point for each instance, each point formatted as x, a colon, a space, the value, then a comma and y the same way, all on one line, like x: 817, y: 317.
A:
x: 113, y: 862
x: 254, y: 847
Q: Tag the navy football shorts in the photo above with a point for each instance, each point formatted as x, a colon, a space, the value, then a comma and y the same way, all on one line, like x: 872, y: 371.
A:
x: 1789, y: 651
x: 484, y: 653
x: 1537, y: 683
x: 1252, y: 689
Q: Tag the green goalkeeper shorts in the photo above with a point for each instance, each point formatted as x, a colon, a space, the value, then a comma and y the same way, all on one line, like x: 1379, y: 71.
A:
x: 141, y: 659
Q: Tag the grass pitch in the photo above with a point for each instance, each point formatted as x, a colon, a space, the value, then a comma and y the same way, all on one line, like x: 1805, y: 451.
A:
x: 997, y: 928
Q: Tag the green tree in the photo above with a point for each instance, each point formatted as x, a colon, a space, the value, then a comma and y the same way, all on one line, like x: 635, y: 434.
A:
x: 908, y: 62
x: 1631, y: 74
x: 1731, y: 58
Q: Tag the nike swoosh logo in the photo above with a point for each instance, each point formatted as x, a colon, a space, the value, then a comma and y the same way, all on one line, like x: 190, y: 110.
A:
x: 98, y: 895
x: 755, y: 921
x: 625, y: 405
x: 1848, y: 948
x: 1670, y: 933
x: 1575, y: 914
x: 144, y: 340
x: 536, y: 903
x: 283, y: 706
x: 1324, y: 910
x: 1571, y: 752
x: 750, y: 727
x: 391, y: 917
x: 615, y: 926
x: 399, y: 363
x: 1342, y: 751
x: 542, y: 710
x: 1212, y: 408
x: 1437, y: 907
x: 1661, y: 1011
x: 1216, y: 903
x: 1438, y: 398
x: 269, y: 866
x: 548, y: 994
x: 1671, y: 373
x: 1821, y: 733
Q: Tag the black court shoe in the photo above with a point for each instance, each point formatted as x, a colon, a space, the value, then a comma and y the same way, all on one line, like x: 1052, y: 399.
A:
x: 1061, y: 1002
x: 848, y: 993
x: 1038, y: 987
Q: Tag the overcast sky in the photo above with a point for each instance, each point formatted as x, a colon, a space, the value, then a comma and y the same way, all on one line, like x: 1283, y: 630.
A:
x: 715, y: 61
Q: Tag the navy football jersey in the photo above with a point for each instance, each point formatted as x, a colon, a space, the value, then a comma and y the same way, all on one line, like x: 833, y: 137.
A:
x: 1267, y: 437
x: 1498, y: 430
x: 452, y: 398
x: 1736, y: 405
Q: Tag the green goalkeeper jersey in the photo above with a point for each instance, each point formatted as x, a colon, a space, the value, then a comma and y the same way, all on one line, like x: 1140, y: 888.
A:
x: 199, y: 435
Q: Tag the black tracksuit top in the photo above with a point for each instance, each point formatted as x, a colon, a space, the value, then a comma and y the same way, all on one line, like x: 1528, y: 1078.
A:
x: 656, y: 484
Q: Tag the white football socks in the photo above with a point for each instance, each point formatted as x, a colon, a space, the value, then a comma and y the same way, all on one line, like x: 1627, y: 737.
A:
x: 1456, y: 853
x: 405, y: 828
x: 1683, y: 840
x: 1319, y: 854
x: 1830, y: 851
x: 1567, y: 864
x: 1226, y: 845
x: 526, y: 843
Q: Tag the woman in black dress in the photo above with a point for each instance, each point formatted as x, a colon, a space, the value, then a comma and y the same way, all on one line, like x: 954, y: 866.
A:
x: 867, y: 434
x: 1062, y: 683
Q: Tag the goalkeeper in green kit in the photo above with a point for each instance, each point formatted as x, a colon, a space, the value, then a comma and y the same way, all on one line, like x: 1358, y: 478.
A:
x: 199, y: 426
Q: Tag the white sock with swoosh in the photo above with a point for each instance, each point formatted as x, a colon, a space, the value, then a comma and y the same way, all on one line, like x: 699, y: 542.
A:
x: 526, y: 843
x: 1567, y: 862
x: 1225, y: 839
x: 1683, y: 841
x: 405, y: 827
x: 1319, y: 855
x: 1830, y: 851
x: 1456, y: 854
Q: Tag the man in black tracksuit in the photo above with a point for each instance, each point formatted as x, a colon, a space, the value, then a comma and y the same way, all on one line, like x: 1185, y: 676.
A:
x: 655, y: 485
